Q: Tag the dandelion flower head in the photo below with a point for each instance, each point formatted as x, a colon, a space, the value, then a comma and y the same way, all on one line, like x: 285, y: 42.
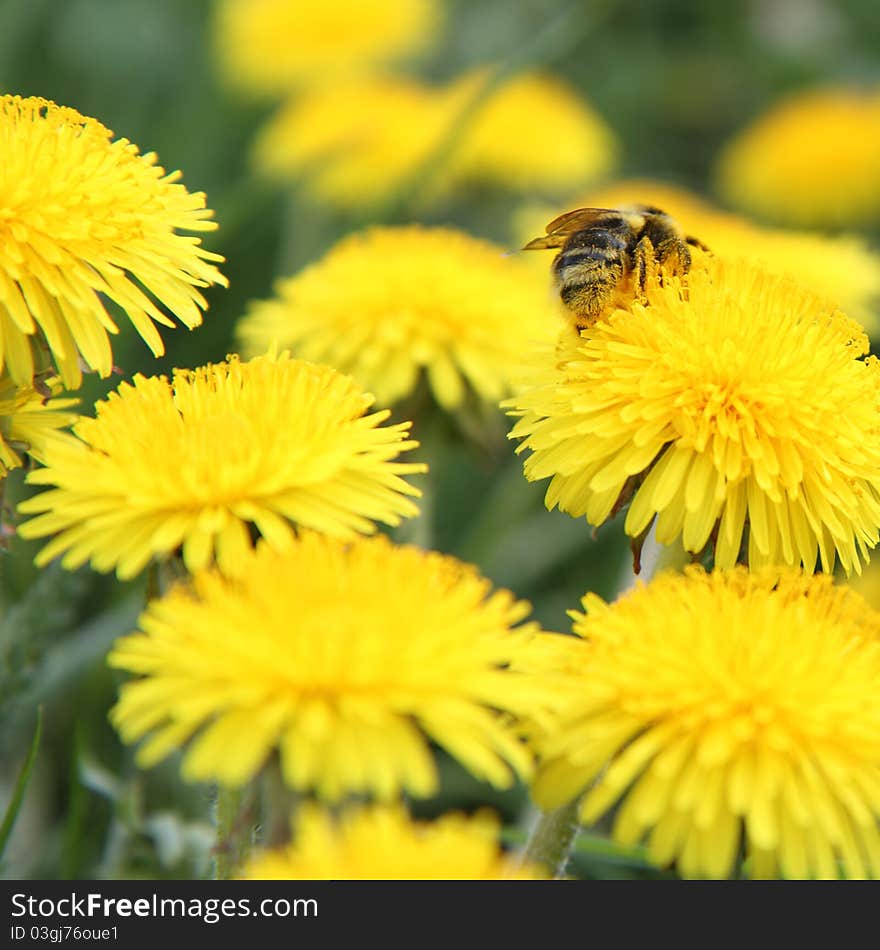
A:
x: 740, y: 414
x: 346, y: 657
x: 384, y: 843
x: 813, y: 160
x: 354, y: 143
x: 197, y: 461
x: 83, y: 217
x: 273, y: 46
x: 534, y: 133
x: 721, y: 713
x: 387, y: 304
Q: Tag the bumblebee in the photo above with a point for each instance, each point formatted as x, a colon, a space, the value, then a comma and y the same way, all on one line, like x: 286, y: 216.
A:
x: 608, y: 254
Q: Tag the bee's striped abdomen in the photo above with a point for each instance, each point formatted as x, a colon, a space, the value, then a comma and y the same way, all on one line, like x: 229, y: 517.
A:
x: 607, y: 256
x: 597, y: 239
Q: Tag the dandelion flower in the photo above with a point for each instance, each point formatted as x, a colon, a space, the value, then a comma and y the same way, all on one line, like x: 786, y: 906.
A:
x: 842, y: 268
x: 812, y: 160
x: 84, y: 218
x: 385, y: 844
x: 196, y: 461
x: 535, y: 134
x: 744, y: 410
x: 355, y: 143
x: 721, y: 712
x: 346, y: 657
x: 273, y: 46
x: 29, y: 419
x: 391, y: 302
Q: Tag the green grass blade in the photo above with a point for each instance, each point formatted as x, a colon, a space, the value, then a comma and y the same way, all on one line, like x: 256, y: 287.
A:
x: 21, y: 784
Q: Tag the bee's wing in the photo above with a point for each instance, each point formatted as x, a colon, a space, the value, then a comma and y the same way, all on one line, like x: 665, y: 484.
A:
x: 559, y: 229
x: 545, y: 241
x: 577, y: 220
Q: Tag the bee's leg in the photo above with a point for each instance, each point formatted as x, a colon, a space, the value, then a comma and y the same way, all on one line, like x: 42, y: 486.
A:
x: 674, y: 258
x: 696, y: 242
x: 644, y: 264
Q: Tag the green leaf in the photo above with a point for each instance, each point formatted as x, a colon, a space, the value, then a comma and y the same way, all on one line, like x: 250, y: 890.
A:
x: 24, y: 775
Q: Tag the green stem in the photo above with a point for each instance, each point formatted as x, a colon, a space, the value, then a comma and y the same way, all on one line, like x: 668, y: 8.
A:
x: 430, y: 430
x: 420, y: 530
x: 554, y: 832
x: 277, y: 802
x: 552, y: 838
x: 234, y: 832
x: 162, y: 575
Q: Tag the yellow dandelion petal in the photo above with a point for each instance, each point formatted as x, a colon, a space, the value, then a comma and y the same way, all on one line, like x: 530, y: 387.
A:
x: 744, y: 416
x: 194, y: 461
x: 84, y: 217
x: 842, y: 268
x: 309, y: 651
x: 30, y: 419
x: 384, y: 843
x: 747, y: 707
x: 812, y: 160
x: 390, y: 303
x: 272, y: 46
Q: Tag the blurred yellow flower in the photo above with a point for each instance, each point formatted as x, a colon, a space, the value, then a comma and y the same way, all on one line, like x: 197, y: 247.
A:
x: 29, y: 418
x: 724, y: 711
x: 534, y: 134
x: 199, y: 461
x: 745, y: 409
x: 389, y: 303
x: 812, y: 160
x: 348, y: 657
x: 384, y: 843
x: 842, y: 268
x: 355, y: 143
x: 272, y: 46
x: 84, y: 218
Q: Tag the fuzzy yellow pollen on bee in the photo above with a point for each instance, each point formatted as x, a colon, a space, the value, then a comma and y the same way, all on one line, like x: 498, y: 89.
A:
x: 607, y: 256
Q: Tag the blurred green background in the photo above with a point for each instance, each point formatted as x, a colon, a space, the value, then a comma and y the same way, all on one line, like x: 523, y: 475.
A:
x: 673, y: 79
